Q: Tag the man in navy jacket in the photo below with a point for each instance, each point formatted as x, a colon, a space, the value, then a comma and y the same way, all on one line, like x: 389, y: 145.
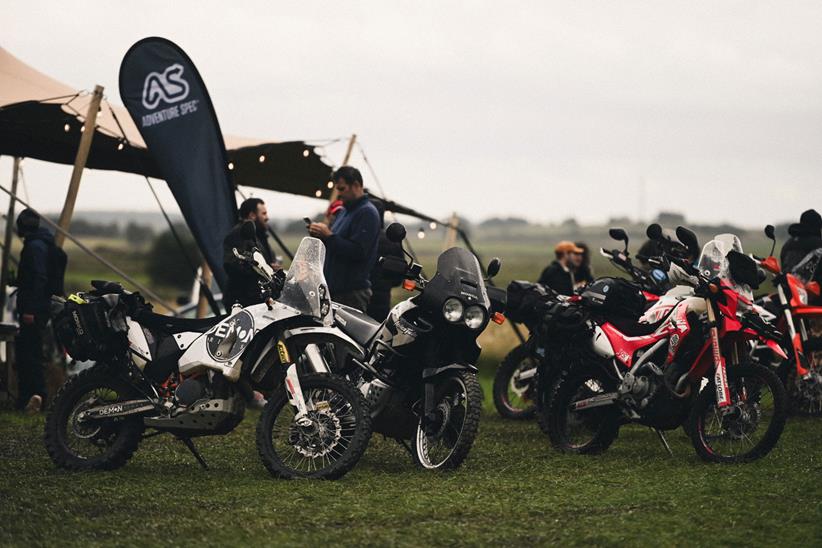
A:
x: 351, y: 241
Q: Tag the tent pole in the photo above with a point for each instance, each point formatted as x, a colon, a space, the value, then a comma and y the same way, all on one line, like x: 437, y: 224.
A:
x: 4, y: 275
x: 347, y: 157
x: 89, y: 125
x: 202, y: 304
x: 451, y: 234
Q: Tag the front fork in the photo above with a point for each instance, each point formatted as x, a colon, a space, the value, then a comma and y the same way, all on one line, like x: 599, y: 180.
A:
x: 723, y: 394
x: 796, y: 340
x: 292, y: 386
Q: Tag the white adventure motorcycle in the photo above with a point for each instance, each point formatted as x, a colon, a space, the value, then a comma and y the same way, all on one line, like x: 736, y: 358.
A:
x: 191, y: 377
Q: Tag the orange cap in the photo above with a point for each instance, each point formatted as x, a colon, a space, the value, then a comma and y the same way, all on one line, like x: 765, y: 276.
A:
x: 568, y: 247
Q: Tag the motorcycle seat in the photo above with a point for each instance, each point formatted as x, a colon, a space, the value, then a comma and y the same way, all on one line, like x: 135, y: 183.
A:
x: 171, y: 324
x: 633, y: 328
x: 360, y: 327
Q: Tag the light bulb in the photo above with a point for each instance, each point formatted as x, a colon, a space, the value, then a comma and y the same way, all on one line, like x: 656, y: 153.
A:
x: 330, y: 185
x: 433, y: 225
x: 306, y: 153
x: 82, y: 128
x: 421, y: 234
x: 66, y: 128
x: 120, y: 146
x: 230, y: 166
x: 318, y: 193
x: 262, y: 158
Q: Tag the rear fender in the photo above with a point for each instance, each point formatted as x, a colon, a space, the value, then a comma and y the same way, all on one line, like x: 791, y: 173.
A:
x: 431, y: 372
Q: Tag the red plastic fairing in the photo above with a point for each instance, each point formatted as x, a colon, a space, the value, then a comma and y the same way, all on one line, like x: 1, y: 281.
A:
x: 625, y: 347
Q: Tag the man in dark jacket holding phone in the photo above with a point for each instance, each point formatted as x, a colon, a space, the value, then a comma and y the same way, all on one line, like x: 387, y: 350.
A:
x: 351, y: 241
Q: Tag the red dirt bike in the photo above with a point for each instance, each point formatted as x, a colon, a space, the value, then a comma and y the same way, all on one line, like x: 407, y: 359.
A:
x: 802, y: 372
x: 653, y: 374
x: 550, y: 322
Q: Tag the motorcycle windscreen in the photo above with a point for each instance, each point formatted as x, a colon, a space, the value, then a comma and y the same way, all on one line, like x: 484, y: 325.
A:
x: 458, y: 275
x: 304, y: 288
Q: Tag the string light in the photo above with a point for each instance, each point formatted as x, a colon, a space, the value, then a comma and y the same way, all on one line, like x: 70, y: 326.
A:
x: 318, y: 193
x: 330, y: 184
x: 306, y: 153
x: 120, y: 145
x: 262, y: 158
x: 433, y: 225
x: 231, y: 166
x: 421, y: 234
x: 66, y: 128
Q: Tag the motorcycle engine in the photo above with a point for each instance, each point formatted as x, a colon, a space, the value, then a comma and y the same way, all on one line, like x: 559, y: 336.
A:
x: 189, y: 391
x: 637, y: 390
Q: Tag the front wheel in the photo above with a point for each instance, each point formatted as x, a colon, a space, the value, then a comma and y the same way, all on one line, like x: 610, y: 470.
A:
x: 327, y: 445
x: 444, y: 440
x: 515, y: 384
x: 747, y: 429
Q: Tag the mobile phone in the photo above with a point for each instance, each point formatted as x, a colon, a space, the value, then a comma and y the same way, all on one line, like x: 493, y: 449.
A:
x: 307, y: 221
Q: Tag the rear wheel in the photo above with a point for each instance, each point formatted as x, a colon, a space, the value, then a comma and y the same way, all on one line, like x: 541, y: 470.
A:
x: 513, y: 394
x: 805, y: 393
x: 747, y: 429
x: 588, y: 430
x: 328, y: 444
x: 445, y: 440
x: 77, y: 444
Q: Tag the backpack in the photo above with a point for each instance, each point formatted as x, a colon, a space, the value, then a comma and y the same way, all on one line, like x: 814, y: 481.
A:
x: 58, y: 260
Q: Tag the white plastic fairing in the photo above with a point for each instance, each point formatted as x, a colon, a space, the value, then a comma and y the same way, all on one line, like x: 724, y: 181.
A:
x: 602, y: 345
x: 138, y: 344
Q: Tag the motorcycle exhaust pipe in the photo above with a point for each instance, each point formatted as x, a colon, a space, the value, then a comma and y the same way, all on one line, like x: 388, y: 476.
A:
x: 683, y: 387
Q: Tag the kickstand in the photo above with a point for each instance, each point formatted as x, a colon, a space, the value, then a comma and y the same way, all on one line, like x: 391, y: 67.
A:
x: 664, y: 441
x: 407, y: 447
x: 190, y: 445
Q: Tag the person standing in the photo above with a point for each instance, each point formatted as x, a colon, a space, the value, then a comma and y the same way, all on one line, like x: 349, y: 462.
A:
x: 584, y: 274
x: 806, y: 236
x: 351, y: 241
x: 242, y: 283
x: 382, y: 282
x: 36, y: 281
x: 559, y: 275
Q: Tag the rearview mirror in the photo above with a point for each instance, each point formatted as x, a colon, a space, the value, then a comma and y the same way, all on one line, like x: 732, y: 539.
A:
x: 395, y: 233
x: 619, y: 234
x: 688, y: 238
x: 654, y: 231
x: 493, y: 267
x: 770, y: 232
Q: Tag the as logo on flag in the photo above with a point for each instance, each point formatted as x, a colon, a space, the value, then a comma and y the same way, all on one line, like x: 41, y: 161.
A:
x: 168, y: 86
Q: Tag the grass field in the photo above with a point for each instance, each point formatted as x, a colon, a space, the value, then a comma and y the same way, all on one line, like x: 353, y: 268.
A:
x: 513, y: 490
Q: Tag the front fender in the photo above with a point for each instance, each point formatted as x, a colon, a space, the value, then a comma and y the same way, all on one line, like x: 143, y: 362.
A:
x: 301, y: 336
x: 432, y: 372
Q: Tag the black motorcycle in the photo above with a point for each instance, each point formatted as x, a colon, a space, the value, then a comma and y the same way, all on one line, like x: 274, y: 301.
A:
x: 418, y: 368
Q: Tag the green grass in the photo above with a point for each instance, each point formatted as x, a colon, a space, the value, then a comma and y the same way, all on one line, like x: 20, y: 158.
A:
x: 513, y: 490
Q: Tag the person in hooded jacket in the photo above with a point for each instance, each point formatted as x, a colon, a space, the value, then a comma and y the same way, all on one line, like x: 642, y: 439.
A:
x: 33, y: 301
x: 805, y: 237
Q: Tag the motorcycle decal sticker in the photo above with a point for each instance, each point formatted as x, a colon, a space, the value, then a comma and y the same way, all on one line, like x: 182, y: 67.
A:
x: 227, y: 340
x: 283, y: 352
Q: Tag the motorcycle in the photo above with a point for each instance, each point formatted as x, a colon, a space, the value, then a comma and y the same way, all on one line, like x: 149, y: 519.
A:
x: 417, y: 368
x: 191, y: 377
x: 516, y: 378
x: 653, y: 373
x: 802, y: 373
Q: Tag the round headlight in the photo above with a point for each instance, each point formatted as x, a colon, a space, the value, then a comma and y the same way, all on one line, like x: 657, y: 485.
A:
x: 452, y: 310
x: 474, y: 317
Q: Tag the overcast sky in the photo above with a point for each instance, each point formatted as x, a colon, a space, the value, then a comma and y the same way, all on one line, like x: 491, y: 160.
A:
x: 539, y: 109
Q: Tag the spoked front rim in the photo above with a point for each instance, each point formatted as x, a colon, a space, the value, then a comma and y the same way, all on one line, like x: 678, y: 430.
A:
x: 321, y: 438
x: 518, y: 396
x: 583, y: 425
x: 437, y: 440
x: 737, y: 430
x: 91, y: 439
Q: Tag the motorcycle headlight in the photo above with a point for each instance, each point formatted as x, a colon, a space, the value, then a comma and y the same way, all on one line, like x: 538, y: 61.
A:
x: 452, y: 309
x: 474, y: 317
